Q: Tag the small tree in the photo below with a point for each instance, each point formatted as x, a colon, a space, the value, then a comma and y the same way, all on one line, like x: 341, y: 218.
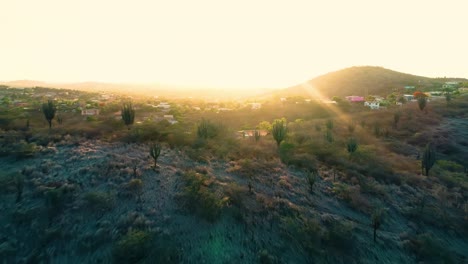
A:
x: 352, y: 146
x: 279, y: 130
x: 155, y: 151
x: 428, y: 159
x: 49, y: 110
x: 128, y: 114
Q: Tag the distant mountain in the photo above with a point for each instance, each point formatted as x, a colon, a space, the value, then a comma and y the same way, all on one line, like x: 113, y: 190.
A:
x: 362, y: 80
x: 161, y: 90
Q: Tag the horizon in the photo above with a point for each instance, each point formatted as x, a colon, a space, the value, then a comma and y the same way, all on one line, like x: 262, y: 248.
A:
x: 212, y: 45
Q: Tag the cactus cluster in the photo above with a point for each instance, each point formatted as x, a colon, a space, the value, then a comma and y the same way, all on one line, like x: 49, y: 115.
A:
x: 128, y: 114
x: 49, y: 110
x: 279, y: 130
x: 155, y: 151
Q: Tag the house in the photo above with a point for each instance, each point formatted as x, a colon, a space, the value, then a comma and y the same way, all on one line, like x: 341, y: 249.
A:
x: 164, y: 105
x: 256, y: 106
x: 355, y: 98
x: 90, y: 112
x: 408, y: 97
x: 170, y: 119
x: 373, y: 104
x: 251, y: 133
x: 409, y: 87
x: 450, y: 85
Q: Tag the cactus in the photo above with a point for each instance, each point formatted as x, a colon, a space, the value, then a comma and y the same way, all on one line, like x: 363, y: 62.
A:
x: 329, y: 124
x: 396, y: 118
x: 49, y: 110
x: 19, y: 183
x: 206, y: 129
x: 155, y: 151
x: 352, y: 145
x: 128, y: 114
x: 377, y: 217
x: 279, y: 130
x: 329, y: 136
x: 257, y: 135
x: 312, y: 178
x: 428, y: 159
x: 59, y: 119
x: 422, y: 102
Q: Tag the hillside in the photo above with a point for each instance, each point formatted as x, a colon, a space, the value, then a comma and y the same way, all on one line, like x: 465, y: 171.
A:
x: 360, y: 81
x: 88, y: 191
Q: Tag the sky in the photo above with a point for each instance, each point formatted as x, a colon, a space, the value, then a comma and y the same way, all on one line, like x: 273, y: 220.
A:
x: 228, y: 44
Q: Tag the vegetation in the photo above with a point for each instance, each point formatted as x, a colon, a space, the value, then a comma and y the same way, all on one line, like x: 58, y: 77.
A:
x: 279, y: 131
x: 428, y: 159
x: 133, y: 247
x: 128, y: 114
x: 155, y: 151
x: 352, y: 145
x: 49, y: 110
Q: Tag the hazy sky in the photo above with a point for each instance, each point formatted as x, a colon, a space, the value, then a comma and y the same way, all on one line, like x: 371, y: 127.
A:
x: 238, y: 43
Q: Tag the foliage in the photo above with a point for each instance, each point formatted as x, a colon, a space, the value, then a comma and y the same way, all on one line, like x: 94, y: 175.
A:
x: 49, y: 110
x: 429, y: 249
x: 128, y: 114
x: 133, y: 247
x: 329, y: 124
x: 99, y: 201
x: 155, y: 151
x: 428, y: 159
x: 199, y: 198
x: 206, y: 129
x: 279, y: 130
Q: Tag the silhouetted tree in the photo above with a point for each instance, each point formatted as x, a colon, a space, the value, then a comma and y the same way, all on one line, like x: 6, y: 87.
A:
x: 155, y: 151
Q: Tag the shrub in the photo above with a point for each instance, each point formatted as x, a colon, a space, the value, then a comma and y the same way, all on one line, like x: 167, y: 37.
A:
x: 206, y: 129
x: 133, y: 247
x: 199, y: 198
x: 427, y: 248
x: 128, y: 114
x: 99, y: 201
x: 340, y: 236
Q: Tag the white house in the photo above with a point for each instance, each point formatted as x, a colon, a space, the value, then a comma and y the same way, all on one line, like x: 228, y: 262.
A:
x: 372, y: 105
x: 90, y: 112
x: 170, y: 119
x: 256, y: 106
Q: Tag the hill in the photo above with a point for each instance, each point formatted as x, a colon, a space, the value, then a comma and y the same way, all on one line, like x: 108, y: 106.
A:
x: 361, y: 80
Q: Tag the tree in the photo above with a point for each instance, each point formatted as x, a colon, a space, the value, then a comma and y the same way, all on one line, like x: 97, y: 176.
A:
x: 128, y: 114
x: 428, y: 159
x: 279, y: 130
x: 155, y: 151
x: 49, y: 110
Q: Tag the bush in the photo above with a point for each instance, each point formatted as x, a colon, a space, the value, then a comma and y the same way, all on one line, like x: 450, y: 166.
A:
x: 99, y: 201
x: 133, y: 247
x: 340, y: 236
x: 199, y: 198
x: 429, y: 249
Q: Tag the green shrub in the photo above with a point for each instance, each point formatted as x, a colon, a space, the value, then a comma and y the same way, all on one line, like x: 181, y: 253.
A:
x: 199, y: 196
x: 340, y: 236
x: 429, y: 249
x: 133, y: 247
x: 99, y: 201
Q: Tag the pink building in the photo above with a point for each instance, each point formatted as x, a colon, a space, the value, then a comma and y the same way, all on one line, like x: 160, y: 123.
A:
x: 355, y: 98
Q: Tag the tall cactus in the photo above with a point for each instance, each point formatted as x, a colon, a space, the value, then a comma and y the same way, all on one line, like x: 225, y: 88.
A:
x: 257, y: 135
x: 128, y: 114
x: 352, y: 146
x: 155, y: 151
x: 428, y: 159
x: 49, y: 110
x: 279, y: 130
